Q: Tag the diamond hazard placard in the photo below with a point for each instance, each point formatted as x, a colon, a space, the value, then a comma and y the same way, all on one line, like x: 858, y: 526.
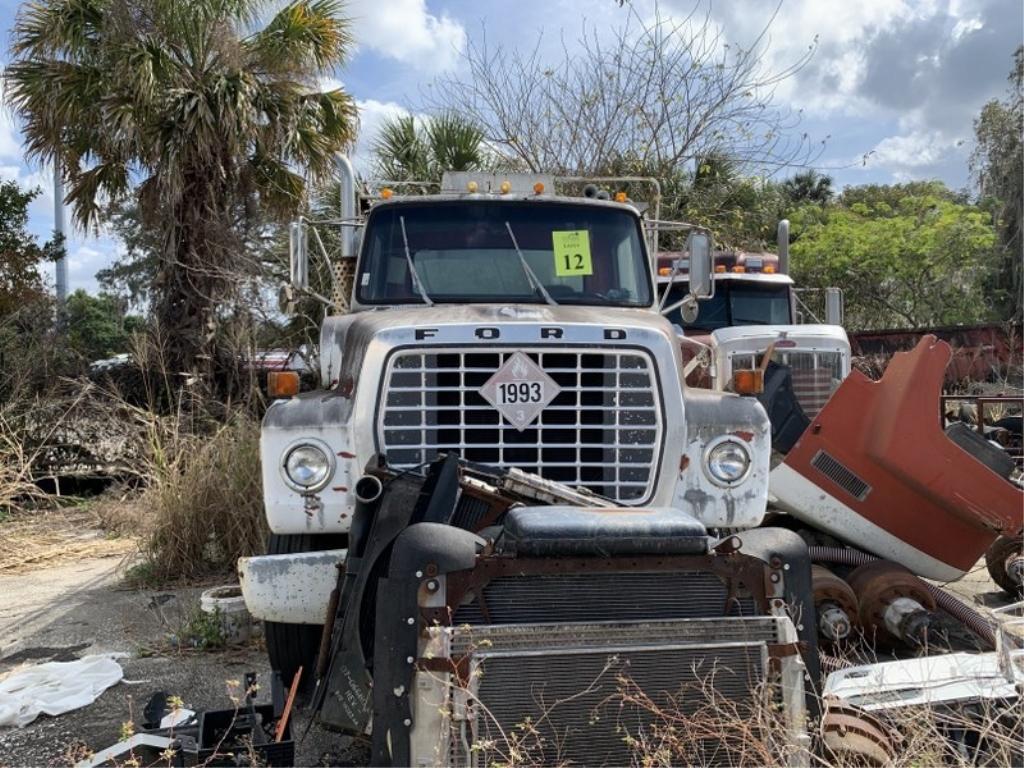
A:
x: 520, y: 390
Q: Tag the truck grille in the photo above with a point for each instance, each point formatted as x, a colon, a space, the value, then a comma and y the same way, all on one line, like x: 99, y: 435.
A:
x: 815, y: 374
x: 568, y: 680
x: 602, y: 432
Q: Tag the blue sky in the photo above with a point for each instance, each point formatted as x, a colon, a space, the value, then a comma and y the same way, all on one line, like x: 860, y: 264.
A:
x: 898, y: 81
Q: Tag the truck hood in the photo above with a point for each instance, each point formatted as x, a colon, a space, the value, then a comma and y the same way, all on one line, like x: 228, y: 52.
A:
x: 348, y: 336
x: 804, y: 335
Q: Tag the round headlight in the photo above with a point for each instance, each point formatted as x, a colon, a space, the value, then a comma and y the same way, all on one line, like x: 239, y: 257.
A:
x: 307, y: 467
x: 728, y: 462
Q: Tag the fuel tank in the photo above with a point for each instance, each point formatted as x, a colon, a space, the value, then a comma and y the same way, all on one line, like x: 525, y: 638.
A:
x: 875, y: 469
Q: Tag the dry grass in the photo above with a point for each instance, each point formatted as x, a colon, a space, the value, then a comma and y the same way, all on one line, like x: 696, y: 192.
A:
x: 190, y: 491
x: 45, y: 537
x: 17, y: 489
x: 203, y: 504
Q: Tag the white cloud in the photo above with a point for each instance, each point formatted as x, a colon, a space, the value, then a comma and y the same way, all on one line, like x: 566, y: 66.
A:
x: 913, y: 150
x: 405, y: 30
x: 372, y: 114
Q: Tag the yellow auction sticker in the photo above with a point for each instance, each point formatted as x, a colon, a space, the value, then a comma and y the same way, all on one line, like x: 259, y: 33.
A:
x: 572, y: 253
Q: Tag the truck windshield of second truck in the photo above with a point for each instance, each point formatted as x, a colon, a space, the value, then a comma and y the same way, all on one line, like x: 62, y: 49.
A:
x: 735, y: 303
x: 487, y: 251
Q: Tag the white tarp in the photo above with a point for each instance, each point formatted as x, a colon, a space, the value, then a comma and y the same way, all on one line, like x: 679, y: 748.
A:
x: 55, y: 688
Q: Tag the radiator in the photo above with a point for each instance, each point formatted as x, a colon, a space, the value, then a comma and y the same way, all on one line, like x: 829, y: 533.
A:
x: 624, y: 595
x: 554, y: 691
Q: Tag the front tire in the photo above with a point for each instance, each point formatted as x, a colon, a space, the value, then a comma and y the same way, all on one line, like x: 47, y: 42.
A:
x: 291, y: 646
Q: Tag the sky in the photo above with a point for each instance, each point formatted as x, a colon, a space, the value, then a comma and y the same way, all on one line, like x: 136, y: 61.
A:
x: 893, y: 84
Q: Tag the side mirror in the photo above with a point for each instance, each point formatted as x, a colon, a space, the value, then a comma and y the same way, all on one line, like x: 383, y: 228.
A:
x: 833, y: 306
x: 701, y: 270
x: 298, y: 255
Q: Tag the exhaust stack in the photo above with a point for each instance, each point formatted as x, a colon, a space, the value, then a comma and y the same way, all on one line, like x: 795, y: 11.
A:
x: 783, y: 240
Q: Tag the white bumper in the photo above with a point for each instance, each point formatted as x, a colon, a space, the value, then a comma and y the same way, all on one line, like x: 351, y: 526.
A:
x: 291, y: 589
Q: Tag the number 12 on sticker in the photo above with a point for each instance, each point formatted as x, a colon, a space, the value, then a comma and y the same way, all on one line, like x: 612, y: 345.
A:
x: 572, y: 253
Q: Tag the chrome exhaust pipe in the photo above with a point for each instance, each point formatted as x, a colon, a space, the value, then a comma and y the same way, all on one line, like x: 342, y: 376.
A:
x: 368, y: 489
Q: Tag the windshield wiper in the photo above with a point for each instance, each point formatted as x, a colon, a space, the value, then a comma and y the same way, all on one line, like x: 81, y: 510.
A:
x: 416, y: 282
x: 531, y: 277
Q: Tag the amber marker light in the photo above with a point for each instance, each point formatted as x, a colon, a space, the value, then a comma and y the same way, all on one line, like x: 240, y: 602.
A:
x: 506, y: 187
x: 282, y: 383
x: 720, y: 268
x: 769, y: 269
x: 472, y: 187
x: 386, y: 193
x: 538, y: 188
x: 738, y: 268
x: 748, y: 382
x: 620, y: 197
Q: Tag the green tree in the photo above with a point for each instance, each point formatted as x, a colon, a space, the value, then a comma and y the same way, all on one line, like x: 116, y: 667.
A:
x: 133, y: 272
x: 998, y: 166
x: 808, y: 187
x: 20, y: 253
x: 421, y: 149
x: 909, y: 255
x: 97, y: 326
x: 220, y: 126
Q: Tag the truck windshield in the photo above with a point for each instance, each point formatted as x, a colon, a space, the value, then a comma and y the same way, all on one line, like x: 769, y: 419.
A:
x: 464, y: 251
x: 735, y: 303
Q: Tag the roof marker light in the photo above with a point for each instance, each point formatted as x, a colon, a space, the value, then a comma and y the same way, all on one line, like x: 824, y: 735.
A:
x: 472, y: 187
x: 386, y: 193
x: 738, y: 268
x: 720, y: 268
x: 620, y: 197
x: 538, y: 188
x: 506, y: 187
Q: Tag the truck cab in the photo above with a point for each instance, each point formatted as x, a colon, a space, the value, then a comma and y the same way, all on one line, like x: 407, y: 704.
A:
x: 519, y: 328
x: 756, y: 304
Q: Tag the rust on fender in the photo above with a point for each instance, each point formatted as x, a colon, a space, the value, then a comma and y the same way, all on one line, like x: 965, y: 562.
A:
x: 876, y: 469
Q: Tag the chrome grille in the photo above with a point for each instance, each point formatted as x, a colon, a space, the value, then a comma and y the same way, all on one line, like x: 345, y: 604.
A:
x: 816, y: 375
x: 602, y: 432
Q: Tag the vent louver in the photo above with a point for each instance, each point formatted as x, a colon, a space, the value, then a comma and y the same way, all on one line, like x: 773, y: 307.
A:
x: 831, y: 468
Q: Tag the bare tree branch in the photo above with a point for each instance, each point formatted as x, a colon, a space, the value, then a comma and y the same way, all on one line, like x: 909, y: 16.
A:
x: 661, y: 92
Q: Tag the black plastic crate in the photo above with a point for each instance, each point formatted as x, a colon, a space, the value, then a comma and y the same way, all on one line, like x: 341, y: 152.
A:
x: 225, y: 733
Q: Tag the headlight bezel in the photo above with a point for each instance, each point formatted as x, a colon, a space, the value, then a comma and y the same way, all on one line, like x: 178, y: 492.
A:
x: 307, y: 442
x: 715, y: 445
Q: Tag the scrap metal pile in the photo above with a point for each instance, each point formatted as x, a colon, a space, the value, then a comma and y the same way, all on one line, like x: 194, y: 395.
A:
x: 475, y: 600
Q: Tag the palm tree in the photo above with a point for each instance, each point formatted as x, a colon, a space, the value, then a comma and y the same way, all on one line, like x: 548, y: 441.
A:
x: 809, y: 187
x: 212, y: 127
x: 407, y: 148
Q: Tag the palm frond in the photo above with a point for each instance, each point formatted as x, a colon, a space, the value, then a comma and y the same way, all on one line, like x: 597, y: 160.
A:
x: 302, y: 35
x: 67, y: 28
x: 456, y: 144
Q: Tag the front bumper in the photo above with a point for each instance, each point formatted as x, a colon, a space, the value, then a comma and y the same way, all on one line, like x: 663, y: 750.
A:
x: 291, y: 589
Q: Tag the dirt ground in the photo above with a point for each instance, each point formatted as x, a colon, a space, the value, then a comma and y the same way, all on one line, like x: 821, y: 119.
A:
x: 74, y: 603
